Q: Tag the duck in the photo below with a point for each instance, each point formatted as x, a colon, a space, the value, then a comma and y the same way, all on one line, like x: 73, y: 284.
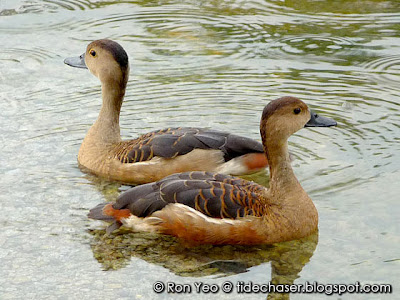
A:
x: 201, y: 207
x: 157, y: 154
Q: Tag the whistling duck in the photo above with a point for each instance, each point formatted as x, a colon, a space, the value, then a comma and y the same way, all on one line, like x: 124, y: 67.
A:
x: 212, y: 208
x: 157, y: 154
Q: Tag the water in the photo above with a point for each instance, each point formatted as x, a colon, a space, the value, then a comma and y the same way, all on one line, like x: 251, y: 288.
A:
x: 198, y: 63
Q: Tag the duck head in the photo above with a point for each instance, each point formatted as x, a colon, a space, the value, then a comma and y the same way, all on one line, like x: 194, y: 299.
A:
x: 105, y: 59
x: 284, y: 116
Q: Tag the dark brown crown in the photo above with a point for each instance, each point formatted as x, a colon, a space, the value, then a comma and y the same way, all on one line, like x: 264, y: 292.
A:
x: 116, y: 50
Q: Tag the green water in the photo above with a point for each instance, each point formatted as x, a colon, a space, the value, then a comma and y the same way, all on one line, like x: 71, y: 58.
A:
x: 212, y: 64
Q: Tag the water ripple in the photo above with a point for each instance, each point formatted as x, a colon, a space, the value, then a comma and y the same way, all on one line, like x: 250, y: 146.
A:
x: 36, y: 54
x: 384, y: 70
x: 310, y: 44
x: 72, y: 4
x: 37, y: 6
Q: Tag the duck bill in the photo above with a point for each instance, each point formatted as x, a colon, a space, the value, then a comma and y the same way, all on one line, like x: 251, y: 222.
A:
x: 77, y: 62
x: 319, y: 121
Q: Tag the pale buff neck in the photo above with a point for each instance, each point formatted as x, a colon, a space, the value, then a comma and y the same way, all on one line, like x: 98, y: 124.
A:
x: 106, y: 128
x: 282, y: 178
x: 286, y: 192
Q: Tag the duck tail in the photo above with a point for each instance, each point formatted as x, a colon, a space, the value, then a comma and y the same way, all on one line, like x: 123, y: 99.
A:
x: 97, y: 213
x: 106, y: 212
x: 246, y: 164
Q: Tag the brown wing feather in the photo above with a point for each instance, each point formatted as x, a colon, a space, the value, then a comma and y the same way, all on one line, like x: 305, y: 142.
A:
x: 215, y: 195
x: 172, y: 142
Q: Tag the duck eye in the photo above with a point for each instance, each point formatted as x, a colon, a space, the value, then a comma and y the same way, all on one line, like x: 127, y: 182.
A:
x: 92, y: 53
x: 297, y: 110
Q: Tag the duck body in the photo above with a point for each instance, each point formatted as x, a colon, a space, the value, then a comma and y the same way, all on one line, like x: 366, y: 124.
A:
x: 157, y: 154
x: 212, y: 208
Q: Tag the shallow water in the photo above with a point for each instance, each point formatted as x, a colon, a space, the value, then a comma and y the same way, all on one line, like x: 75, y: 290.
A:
x: 198, y: 63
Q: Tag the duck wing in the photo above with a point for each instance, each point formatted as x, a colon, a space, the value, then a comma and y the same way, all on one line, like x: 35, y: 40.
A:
x: 171, y: 142
x: 214, y: 195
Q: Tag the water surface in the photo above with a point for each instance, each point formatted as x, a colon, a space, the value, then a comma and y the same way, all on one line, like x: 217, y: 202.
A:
x: 213, y: 64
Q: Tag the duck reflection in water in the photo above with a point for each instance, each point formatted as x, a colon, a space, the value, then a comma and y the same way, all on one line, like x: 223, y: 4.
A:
x: 287, y: 259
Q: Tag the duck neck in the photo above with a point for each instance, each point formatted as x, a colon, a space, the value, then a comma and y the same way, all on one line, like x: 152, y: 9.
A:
x: 286, y: 192
x: 106, y: 126
x: 283, y: 179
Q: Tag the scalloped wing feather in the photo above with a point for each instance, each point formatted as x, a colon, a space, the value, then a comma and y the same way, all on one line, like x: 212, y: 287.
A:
x: 171, y: 142
x: 214, y: 195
